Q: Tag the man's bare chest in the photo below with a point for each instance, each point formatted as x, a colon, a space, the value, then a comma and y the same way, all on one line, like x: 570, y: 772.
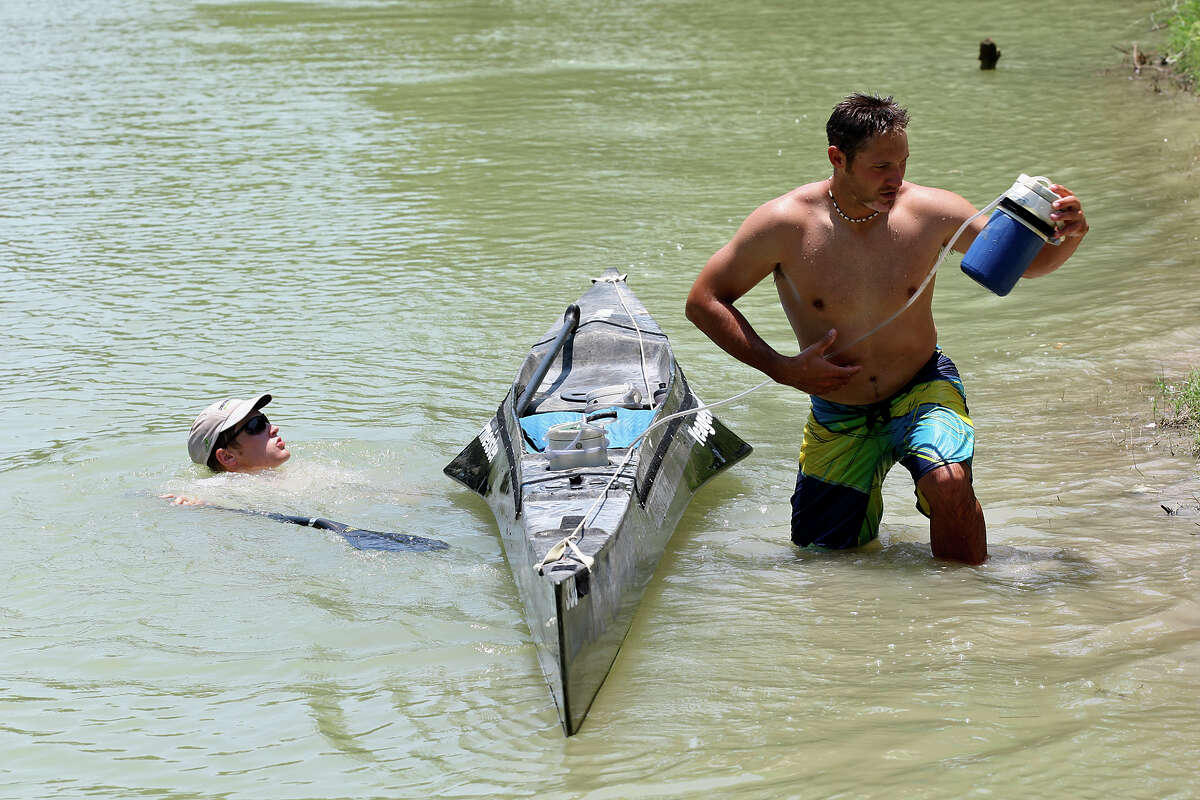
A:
x: 864, y: 270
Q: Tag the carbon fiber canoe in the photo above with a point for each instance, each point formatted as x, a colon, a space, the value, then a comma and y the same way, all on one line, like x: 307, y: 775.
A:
x: 585, y: 517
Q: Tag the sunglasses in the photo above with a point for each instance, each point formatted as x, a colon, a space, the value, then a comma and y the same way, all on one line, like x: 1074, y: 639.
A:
x: 253, y: 426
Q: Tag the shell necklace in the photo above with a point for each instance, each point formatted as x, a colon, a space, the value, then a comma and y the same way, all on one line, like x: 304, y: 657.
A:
x: 842, y: 214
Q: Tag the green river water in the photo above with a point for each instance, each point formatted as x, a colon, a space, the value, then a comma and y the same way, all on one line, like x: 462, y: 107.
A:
x: 371, y: 209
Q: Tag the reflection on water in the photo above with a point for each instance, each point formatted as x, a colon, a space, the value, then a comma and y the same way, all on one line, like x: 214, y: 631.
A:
x: 370, y: 210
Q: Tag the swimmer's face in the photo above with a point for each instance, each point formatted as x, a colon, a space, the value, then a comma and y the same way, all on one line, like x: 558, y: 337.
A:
x: 255, y: 446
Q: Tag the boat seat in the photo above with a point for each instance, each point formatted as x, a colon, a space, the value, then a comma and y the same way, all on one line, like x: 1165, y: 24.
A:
x: 629, y: 424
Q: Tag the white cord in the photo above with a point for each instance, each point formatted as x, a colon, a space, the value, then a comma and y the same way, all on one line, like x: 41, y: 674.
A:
x: 570, y: 540
x: 641, y: 342
x: 941, y: 256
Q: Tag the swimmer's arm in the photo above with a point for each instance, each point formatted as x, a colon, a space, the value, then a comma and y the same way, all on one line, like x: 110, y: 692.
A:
x: 735, y: 269
x: 183, y: 500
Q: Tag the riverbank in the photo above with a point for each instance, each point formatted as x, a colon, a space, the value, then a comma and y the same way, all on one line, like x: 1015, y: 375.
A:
x: 1173, y: 59
x: 1177, y: 406
x: 1183, y: 41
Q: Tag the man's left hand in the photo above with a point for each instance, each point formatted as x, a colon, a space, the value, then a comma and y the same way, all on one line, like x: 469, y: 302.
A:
x: 1067, y: 213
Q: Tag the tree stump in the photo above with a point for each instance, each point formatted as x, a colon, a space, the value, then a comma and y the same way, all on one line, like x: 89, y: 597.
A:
x: 989, y: 54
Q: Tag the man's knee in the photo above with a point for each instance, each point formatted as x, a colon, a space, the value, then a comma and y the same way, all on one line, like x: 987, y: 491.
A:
x: 957, y: 530
x: 948, y: 485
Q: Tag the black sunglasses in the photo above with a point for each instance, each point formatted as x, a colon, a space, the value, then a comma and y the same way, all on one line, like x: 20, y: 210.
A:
x: 253, y: 426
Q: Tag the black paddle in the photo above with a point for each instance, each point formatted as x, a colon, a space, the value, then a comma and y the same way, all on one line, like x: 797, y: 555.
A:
x: 357, y: 537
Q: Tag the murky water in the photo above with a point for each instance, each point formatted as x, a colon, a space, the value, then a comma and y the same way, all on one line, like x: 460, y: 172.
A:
x: 370, y: 210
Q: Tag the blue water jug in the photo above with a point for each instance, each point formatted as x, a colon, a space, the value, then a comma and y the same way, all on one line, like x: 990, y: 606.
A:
x: 1015, y: 233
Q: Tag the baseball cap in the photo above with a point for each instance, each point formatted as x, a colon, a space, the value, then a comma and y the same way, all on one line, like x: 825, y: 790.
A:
x: 217, y: 418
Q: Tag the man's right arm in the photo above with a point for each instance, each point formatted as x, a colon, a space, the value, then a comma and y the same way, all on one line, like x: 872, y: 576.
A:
x: 755, y: 250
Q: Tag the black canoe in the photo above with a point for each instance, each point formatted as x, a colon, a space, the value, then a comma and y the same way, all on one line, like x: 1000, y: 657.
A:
x: 584, y: 525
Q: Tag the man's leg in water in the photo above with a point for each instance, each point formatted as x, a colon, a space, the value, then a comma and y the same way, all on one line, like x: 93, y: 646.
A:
x: 956, y: 527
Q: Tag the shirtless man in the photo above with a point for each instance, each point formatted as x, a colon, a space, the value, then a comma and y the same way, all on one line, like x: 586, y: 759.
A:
x: 845, y: 254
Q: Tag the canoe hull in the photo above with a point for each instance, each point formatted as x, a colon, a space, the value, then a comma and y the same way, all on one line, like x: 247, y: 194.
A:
x: 578, y: 617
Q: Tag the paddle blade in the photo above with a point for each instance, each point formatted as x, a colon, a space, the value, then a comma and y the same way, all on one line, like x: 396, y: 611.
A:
x: 357, y: 537
x: 378, y: 540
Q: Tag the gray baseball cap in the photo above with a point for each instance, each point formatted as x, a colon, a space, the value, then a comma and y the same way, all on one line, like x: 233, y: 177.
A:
x: 220, y: 416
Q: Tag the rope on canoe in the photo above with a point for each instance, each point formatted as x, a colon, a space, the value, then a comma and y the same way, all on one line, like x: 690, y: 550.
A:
x: 571, y: 541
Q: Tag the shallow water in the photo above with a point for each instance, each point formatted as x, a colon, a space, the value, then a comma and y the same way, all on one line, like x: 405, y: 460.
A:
x: 371, y: 210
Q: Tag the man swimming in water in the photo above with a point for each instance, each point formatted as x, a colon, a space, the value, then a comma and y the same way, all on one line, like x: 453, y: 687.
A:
x: 233, y: 435
x: 846, y: 253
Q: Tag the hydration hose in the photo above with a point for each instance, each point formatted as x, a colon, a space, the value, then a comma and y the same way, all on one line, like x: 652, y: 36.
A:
x: 571, y: 540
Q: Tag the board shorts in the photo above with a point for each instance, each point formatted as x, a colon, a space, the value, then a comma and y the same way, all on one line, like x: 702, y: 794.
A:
x: 848, y: 449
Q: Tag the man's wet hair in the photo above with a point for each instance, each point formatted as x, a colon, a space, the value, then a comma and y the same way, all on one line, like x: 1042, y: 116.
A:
x: 859, y: 117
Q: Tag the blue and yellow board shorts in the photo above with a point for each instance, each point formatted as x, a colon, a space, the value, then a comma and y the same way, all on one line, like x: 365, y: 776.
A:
x: 848, y: 449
